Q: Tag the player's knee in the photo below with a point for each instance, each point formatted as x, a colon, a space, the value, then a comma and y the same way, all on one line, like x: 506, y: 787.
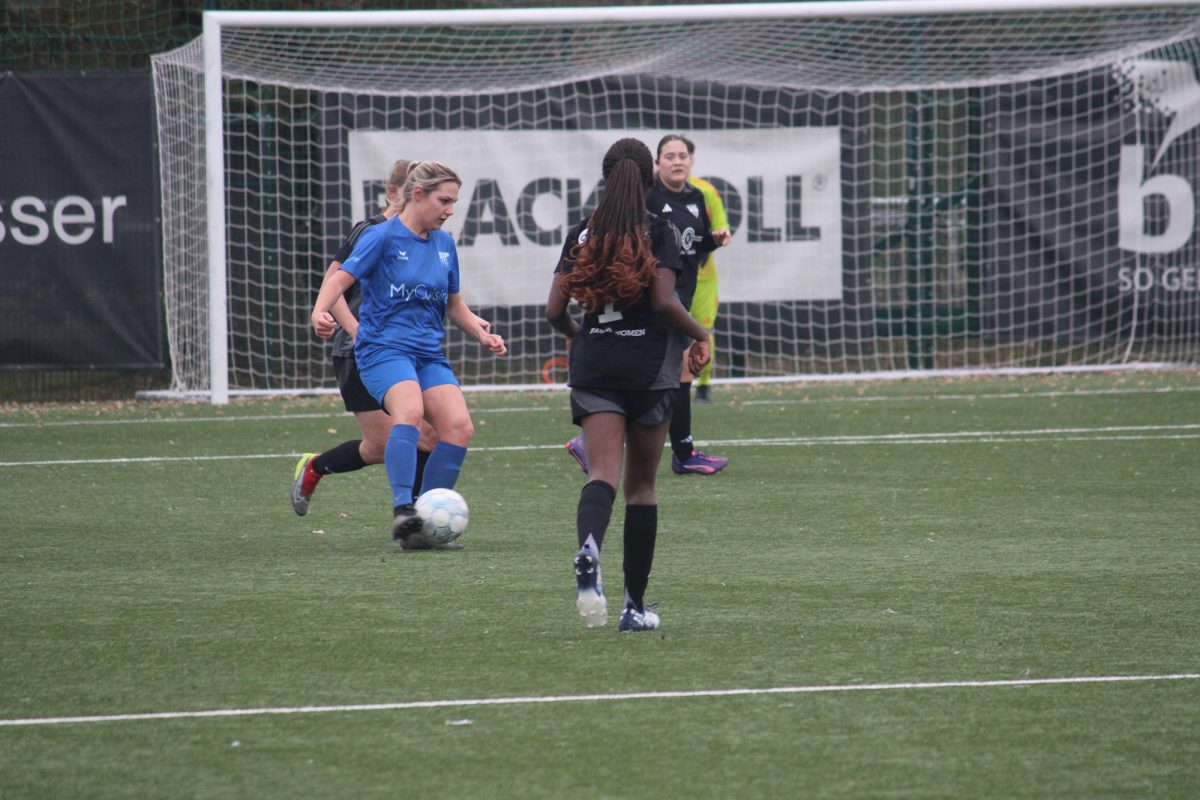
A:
x: 641, y: 493
x: 459, y: 432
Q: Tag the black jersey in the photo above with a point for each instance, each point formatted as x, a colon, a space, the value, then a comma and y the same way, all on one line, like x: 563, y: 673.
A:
x: 342, y: 346
x: 686, y: 211
x: 627, y: 347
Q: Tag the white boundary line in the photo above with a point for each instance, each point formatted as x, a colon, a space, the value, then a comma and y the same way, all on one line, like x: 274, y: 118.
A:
x: 588, y: 698
x: 1039, y: 435
x: 777, y: 401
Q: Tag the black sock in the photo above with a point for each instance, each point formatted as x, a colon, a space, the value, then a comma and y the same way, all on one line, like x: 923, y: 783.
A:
x: 595, y: 509
x: 641, y: 532
x: 681, y: 422
x: 422, y: 460
x: 343, y: 458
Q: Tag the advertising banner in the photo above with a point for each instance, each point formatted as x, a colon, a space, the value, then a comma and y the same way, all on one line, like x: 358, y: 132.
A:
x: 80, y: 260
x: 524, y: 189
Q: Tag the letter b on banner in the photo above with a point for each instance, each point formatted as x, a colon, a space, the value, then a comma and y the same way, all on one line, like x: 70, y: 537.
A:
x: 1132, y: 192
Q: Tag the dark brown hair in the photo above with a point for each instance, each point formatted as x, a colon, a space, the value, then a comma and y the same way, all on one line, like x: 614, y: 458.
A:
x: 616, y: 262
x: 675, y: 137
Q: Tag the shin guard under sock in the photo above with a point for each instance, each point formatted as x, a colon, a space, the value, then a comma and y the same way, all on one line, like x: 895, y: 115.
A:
x: 443, y: 466
x: 400, y: 458
x: 594, y: 511
x: 343, y: 458
x: 681, y: 423
x: 641, y: 533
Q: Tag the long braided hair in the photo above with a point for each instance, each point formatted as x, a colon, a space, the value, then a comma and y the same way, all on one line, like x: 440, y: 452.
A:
x: 616, y: 262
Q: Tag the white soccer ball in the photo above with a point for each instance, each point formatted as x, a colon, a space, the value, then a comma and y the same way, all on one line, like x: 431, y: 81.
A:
x: 443, y: 514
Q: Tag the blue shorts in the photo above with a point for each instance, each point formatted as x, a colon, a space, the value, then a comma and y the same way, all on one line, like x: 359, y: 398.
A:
x: 382, y: 368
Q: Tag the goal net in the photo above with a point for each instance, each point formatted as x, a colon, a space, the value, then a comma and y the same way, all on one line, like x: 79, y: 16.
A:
x: 910, y: 186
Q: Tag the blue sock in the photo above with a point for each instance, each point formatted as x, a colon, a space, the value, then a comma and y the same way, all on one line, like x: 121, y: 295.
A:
x: 400, y: 459
x: 445, y: 462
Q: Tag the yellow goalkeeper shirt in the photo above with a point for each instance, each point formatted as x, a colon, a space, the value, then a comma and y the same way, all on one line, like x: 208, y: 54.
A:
x: 718, y: 220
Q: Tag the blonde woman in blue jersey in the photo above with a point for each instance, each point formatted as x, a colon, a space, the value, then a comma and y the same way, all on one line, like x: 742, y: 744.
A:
x: 407, y: 269
x: 621, y: 265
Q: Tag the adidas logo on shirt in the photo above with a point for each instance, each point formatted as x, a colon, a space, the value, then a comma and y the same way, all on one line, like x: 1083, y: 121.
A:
x: 667, y: 209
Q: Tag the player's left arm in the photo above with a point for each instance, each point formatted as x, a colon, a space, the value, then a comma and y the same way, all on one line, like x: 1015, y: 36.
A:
x: 479, y: 329
x: 717, y: 218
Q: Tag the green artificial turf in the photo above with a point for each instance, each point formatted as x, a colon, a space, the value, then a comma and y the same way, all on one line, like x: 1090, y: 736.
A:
x: 877, y: 534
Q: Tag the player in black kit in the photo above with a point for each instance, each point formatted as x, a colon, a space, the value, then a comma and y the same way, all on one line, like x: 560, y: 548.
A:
x: 621, y: 266
x: 683, y: 205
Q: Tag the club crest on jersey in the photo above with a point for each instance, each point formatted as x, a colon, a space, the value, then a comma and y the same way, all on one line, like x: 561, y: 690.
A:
x: 692, y: 207
x: 444, y: 258
x: 582, y: 236
x: 687, y: 240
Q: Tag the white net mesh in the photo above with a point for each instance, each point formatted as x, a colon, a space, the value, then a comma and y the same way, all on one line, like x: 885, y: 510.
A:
x: 954, y: 191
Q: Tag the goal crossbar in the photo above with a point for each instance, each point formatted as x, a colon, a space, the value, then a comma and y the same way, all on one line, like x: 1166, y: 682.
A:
x: 645, y: 14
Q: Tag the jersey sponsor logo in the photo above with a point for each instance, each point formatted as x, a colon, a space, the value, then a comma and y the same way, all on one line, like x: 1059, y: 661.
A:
x: 687, y: 241
x: 419, y: 292
x: 617, y: 332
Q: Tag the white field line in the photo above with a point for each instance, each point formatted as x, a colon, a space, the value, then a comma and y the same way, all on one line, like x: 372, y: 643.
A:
x: 922, y: 398
x: 341, y: 415
x: 331, y: 415
x: 1040, y: 435
x: 591, y: 698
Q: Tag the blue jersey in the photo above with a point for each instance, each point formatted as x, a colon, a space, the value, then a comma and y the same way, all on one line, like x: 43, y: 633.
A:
x: 406, y: 283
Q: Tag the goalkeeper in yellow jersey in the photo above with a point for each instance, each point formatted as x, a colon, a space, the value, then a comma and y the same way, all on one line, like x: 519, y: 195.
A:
x: 704, y: 301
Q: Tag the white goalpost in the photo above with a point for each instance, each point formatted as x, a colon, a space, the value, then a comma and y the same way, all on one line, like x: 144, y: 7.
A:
x: 915, y: 187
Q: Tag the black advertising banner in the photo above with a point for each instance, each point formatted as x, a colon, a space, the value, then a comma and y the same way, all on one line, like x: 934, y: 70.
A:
x: 80, y: 260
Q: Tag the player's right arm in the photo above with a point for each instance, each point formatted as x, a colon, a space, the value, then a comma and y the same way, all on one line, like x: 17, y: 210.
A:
x: 556, y: 309
x: 340, y: 314
x: 360, y: 263
x: 332, y: 288
x: 556, y: 305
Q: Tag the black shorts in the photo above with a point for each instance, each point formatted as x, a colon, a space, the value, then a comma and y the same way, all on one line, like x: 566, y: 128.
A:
x: 355, y: 396
x: 645, y: 407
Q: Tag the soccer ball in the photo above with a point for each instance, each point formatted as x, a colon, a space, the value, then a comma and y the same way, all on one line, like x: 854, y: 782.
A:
x: 443, y: 514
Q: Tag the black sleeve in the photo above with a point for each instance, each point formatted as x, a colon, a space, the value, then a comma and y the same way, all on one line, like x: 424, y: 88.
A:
x: 573, y: 238
x: 665, y: 242
x: 348, y: 246
x: 705, y: 244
